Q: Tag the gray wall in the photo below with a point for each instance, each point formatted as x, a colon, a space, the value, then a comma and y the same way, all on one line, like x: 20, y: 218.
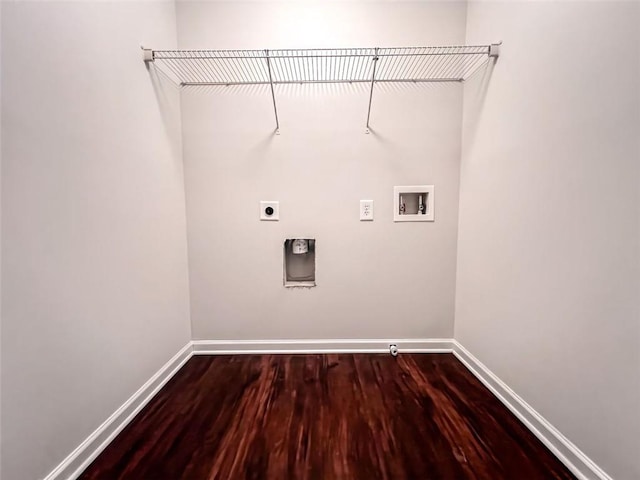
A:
x: 548, y: 284
x: 94, y: 268
x: 374, y: 280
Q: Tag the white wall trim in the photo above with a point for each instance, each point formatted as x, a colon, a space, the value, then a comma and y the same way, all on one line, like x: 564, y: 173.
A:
x: 72, y: 466
x: 235, y: 347
x: 575, y: 460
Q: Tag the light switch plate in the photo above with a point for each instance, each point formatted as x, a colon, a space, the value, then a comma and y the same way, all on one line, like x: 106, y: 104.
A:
x: 269, y: 210
x: 366, y: 210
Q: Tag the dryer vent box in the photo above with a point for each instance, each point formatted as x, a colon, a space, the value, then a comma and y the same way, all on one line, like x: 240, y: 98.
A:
x: 300, y: 262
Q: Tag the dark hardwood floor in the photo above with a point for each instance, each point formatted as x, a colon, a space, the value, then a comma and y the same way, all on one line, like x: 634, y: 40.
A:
x: 420, y: 416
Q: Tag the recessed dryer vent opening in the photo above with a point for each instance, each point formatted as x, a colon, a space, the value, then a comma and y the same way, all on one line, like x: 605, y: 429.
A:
x: 300, y: 262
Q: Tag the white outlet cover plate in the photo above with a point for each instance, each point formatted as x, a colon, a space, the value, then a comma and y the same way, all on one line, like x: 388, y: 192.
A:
x: 275, y: 216
x: 366, y: 210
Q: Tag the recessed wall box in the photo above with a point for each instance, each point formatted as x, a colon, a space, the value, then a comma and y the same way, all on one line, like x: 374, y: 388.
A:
x: 413, y: 203
x: 300, y: 262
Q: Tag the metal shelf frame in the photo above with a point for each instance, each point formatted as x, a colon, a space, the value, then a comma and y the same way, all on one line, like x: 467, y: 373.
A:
x: 189, y: 68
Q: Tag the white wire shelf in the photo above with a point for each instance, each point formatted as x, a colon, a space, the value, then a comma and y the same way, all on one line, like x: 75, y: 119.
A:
x: 338, y: 65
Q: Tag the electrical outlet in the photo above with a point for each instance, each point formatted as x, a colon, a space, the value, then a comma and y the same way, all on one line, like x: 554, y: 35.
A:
x: 366, y: 210
x: 270, y: 210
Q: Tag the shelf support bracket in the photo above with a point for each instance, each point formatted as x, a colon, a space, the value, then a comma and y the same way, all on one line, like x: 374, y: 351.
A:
x: 373, y: 80
x: 147, y: 54
x: 273, y: 95
x: 494, y: 50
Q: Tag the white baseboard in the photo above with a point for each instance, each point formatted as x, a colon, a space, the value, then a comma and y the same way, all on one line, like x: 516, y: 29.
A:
x: 72, y: 466
x: 575, y: 460
x: 234, y: 347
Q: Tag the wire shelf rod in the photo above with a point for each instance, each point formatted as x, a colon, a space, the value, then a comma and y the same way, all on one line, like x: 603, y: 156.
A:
x: 373, y: 81
x: 273, y: 95
x: 296, y: 82
x: 345, y: 55
x: 274, y: 53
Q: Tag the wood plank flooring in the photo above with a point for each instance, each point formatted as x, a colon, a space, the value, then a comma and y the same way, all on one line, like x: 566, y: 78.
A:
x: 344, y: 416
